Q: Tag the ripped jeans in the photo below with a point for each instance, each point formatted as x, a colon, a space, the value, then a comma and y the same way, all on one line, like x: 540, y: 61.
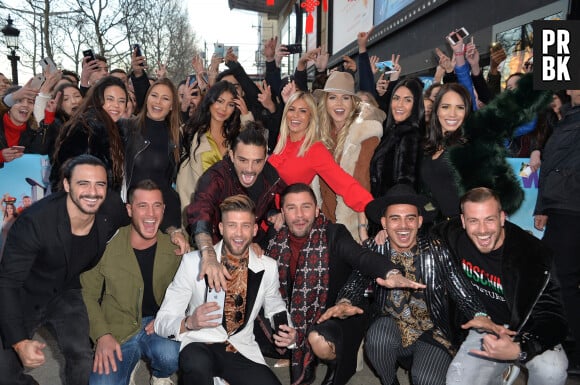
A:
x: 546, y: 368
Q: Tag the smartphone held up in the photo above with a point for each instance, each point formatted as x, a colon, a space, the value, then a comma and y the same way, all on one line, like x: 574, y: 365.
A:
x: 457, y: 36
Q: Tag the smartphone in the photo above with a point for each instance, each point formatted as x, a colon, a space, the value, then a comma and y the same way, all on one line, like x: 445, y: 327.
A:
x: 496, y: 46
x: 37, y: 81
x: 89, y: 53
x: 192, y: 79
x: 384, y: 66
x: 454, y: 38
x: 48, y: 65
x: 137, y: 50
x: 280, y: 318
x: 218, y: 49
x: 19, y: 148
x: 235, y: 49
x: 211, y: 295
x: 294, y: 48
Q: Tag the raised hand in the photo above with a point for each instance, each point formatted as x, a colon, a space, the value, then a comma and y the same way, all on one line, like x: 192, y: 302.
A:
x: 321, y: 61
x: 472, y: 56
x: 241, y: 104
x: 374, y: 59
x: 396, y: 67
x: 265, y: 97
x: 349, y: 63
x: 138, y: 63
x: 444, y: 61
x: 382, y: 85
x: 161, y: 71
x: 362, y: 39
x: 288, y: 90
x: 52, y: 103
x: 281, y: 51
x: 270, y: 48
x: 230, y: 56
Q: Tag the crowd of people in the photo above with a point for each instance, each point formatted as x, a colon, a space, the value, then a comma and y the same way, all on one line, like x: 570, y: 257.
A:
x: 202, y: 225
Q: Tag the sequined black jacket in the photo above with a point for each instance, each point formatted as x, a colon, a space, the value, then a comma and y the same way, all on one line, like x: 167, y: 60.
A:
x: 447, y: 288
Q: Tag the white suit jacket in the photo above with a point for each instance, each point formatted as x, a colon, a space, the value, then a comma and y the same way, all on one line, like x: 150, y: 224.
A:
x: 186, y: 293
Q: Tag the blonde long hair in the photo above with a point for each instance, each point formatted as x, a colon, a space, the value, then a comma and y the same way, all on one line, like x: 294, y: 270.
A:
x: 313, y: 133
x: 326, y: 125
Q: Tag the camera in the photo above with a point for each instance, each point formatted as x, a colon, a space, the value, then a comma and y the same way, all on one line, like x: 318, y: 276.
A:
x: 458, y: 36
x: 294, y: 48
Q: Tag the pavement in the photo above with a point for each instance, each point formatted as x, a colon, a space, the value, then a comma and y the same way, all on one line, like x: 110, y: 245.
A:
x: 50, y: 373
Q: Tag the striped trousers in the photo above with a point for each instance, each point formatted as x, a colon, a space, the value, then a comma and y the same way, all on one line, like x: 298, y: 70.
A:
x: 383, y: 348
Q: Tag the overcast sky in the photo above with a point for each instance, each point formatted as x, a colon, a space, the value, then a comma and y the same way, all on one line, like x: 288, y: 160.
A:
x: 213, y: 21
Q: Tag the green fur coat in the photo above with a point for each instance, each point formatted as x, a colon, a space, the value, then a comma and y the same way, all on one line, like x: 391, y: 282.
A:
x: 481, y: 162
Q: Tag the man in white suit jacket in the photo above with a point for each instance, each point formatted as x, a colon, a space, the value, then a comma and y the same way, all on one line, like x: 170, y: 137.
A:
x: 227, y: 349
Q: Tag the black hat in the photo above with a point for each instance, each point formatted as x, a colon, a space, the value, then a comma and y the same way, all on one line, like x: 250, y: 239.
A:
x: 398, y: 194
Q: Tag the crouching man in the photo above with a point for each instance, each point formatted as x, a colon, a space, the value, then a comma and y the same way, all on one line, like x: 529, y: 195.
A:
x: 123, y: 292
x: 216, y: 346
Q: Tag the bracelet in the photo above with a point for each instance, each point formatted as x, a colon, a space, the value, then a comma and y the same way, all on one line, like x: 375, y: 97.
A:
x: 392, y: 272
x: 481, y: 314
x: 460, y: 53
x: 363, y: 226
x: 185, y: 324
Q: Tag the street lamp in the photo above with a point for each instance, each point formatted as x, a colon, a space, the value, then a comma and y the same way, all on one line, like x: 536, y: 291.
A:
x: 11, y: 35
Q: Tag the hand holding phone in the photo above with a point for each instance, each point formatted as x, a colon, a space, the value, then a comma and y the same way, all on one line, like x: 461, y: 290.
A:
x: 280, y: 318
x: 219, y: 297
x: 219, y: 49
x: 138, y: 53
x: 37, y: 81
x: 89, y: 53
x: 48, y: 65
x: 294, y: 48
x: 457, y: 36
x: 18, y: 148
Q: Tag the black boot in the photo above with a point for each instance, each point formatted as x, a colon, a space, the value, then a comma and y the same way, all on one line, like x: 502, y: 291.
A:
x: 330, y: 373
x: 309, y: 373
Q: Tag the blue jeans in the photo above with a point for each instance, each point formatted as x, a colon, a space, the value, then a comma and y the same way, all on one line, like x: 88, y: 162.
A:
x: 162, y: 353
x: 546, y: 368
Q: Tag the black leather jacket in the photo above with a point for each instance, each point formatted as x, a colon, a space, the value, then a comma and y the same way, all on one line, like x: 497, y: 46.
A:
x: 531, y: 294
x: 559, y: 188
x: 135, y: 143
x: 443, y: 278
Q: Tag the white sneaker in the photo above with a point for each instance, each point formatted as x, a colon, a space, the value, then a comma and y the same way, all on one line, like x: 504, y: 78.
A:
x: 161, y: 381
x: 135, y: 369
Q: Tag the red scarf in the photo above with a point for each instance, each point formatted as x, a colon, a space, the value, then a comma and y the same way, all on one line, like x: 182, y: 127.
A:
x: 12, y: 132
x: 306, y: 298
